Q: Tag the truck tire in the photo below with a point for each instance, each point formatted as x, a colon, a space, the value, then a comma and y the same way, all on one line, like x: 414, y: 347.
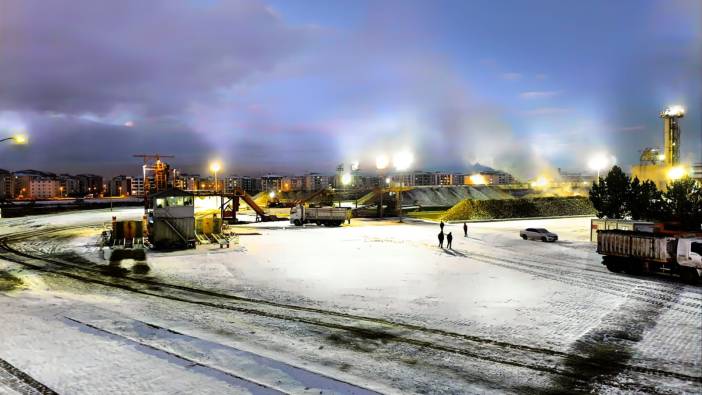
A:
x: 689, y: 275
x: 297, y: 222
x: 613, y: 266
x: 544, y: 239
x: 524, y: 237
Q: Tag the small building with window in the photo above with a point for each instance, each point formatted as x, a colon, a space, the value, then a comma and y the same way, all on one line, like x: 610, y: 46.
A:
x: 172, y: 219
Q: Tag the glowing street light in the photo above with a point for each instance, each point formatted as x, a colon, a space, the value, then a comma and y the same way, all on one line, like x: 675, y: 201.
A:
x: 676, y: 173
x: 20, y: 139
x: 215, y: 167
x: 402, y: 161
x: 381, y: 162
x: 599, y: 163
x: 346, y: 179
x: 271, y: 194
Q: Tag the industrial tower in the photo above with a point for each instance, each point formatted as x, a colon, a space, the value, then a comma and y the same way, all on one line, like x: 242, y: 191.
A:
x: 671, y: 134
x: 663, y: 167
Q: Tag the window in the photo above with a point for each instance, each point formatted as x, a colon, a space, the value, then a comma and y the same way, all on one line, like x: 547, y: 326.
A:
x: 696, y: 247
x: 160, y: 203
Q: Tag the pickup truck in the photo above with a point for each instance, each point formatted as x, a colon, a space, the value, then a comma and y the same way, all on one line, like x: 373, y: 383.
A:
x: 638, y: 252
x: 328, y: 216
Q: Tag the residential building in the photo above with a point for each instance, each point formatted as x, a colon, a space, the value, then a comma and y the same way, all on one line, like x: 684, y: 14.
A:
x: 90, y: 184
x: 316, y: 181
x: 138, y: 186
x: 271, y: 182
x: 120, y: 186
x: 44, y: 188
x: 7, y: 185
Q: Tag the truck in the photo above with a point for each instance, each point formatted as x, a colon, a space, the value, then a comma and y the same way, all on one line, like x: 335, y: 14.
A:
x: 637, y: 252
x: 328, y: 216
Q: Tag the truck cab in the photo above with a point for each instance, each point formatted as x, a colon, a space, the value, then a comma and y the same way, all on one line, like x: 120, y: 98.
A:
x: 689, y: 253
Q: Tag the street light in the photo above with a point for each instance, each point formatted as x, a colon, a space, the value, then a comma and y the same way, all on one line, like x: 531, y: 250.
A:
x: 402, y: 161
x: 215, y: 167
x: 381, y: 162
x: 345, y: 181
x: 18, y: 139
x: 599, y: 163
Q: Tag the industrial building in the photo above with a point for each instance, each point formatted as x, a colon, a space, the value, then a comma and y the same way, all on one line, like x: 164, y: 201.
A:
x: 663, y: 166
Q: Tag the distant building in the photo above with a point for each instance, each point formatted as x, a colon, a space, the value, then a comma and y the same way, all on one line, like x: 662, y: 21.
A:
x: 44, y: 188
x: 251, y: 185
x: 138, y: 186
x: 443, y: 179
x: 271, y: 182
x: 316, y: 181
x: 576, y: 178
x: 120, y: 186
x: 697, y: 171
x: 90, y: 184
x: 7, y: 185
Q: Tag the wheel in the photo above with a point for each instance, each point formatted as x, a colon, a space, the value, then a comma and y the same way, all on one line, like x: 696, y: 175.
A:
x: 544, y: 239
x: 613, y: 266
x: 689, y: 275
x: 524, y: 237
x: 297, y: 222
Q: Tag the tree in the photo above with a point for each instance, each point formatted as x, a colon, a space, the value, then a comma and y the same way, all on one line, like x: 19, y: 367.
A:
x: 683, y: 201
x: 644, y: 201
x: 610, y: 195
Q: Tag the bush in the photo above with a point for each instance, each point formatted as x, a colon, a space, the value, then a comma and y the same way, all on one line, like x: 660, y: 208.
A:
x: 519, y: 208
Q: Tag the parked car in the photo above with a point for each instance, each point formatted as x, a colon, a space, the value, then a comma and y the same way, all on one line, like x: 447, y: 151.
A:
x: 538, y: 234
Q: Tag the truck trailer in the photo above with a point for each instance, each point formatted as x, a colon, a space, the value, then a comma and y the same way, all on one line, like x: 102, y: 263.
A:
x: 642, y: 252
x: 328, y: 216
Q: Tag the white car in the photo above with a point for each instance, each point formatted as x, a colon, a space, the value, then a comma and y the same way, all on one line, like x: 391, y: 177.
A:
x: 538, y: 234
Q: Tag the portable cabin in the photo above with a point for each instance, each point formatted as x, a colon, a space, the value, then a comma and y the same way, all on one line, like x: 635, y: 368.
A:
x: 172, y: 220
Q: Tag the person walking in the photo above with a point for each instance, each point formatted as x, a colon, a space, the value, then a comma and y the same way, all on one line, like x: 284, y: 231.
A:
x: 441, y: 225
x: 449, y: 239
x: 441, y: 239
x: 465, y: 230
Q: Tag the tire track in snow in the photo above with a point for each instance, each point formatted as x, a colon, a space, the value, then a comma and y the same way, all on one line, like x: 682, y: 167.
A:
x: 21, y: 382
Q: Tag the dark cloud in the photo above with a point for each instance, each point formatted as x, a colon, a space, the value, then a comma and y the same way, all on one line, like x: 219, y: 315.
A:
x: 148, y: 57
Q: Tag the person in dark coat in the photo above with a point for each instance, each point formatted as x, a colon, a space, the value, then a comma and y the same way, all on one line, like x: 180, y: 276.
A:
x: 465, y: 230
x: 441, y: 225
x: 441, y: 239
x: 449, y: 239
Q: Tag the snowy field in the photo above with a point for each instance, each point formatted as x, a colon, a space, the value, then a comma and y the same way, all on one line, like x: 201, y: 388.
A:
x: 375, y: 306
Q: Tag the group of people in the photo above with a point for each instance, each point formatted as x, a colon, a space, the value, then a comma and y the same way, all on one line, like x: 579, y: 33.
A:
x: 449, y: 236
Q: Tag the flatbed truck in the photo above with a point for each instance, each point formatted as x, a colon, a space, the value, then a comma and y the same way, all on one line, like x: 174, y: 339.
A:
x: 328, y: 216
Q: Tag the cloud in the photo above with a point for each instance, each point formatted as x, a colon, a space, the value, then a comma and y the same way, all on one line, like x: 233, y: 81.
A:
x: 511, y: 76
x: 635, y: 128
x: 152, y: 57
x: 539, y: 94
x: 548, y: 111
x: 541, y: 76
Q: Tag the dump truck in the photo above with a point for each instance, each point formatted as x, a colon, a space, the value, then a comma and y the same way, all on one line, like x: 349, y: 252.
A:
x: 638, y: 252
x: 328, y: 216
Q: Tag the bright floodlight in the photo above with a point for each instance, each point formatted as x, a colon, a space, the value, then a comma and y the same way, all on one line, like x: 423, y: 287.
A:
x: 20, y: 139
x: 478, y: 179
x: 346, y: 179
x: 215, y: 166
x: 271, y: 194
x: 540, y: 182
x: 673, y: 111
x: 403, y: 160
x: 598, y: 163
x: 387, y: 180
x: 676, y: 173
x: 381, y: 162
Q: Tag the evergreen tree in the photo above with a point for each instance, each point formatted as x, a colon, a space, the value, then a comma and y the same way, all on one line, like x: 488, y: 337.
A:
x: 610, y: 195
x: 683, y: 201
x: 644, y: 201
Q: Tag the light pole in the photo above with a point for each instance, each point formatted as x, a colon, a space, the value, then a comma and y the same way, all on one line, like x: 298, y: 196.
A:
x: 402, y: 161
x: 381, y: 162
x: 599, y: 163
x: 215, y: 167
x: 345, y: 181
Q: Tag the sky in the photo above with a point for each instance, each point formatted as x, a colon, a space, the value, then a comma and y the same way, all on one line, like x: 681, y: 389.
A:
x: 297, y: 86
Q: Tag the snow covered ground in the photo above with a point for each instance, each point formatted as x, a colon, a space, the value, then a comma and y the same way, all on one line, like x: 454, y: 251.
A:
x: 375, y: 306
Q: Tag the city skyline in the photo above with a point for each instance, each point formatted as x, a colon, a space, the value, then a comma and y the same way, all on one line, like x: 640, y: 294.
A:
x: 287, y: 88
